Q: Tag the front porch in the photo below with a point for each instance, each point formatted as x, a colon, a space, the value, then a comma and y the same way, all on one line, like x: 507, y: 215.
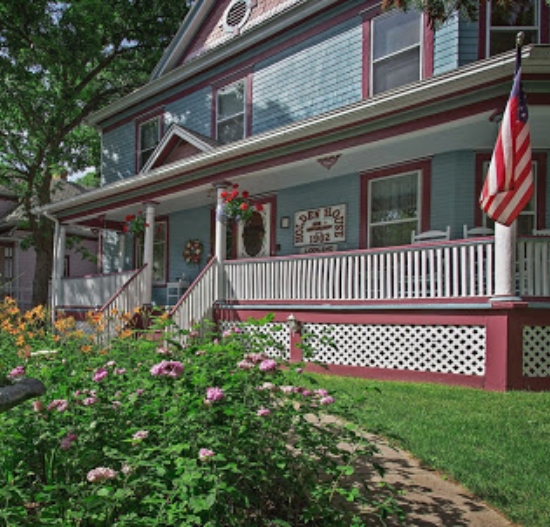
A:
x: 421, y: 312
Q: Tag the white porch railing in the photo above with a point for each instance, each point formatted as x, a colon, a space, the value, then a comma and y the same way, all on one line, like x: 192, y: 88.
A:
x: 198, y: 301
x: 457, y: 269
x: 128, y: 297
x: 533, y: 264
x: 92, y: 291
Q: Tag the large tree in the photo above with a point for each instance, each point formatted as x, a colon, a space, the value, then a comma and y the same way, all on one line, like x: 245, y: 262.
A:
x: 59, y: 62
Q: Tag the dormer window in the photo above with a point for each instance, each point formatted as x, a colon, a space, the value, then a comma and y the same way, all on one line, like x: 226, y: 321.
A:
x: 506, y: 20
x: 231, y: 112
x: 396, y: 50
x: 149, y: 138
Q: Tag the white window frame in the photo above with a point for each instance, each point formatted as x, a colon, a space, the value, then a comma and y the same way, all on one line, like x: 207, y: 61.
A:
x: 490, y: 29
x: 219, y: 91
x: 159, y: 272
x: 373, y: 61
x: 372, y: 182
x: 150, y: 150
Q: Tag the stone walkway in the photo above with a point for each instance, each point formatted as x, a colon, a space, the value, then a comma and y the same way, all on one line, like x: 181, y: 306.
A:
x: 428, y: 498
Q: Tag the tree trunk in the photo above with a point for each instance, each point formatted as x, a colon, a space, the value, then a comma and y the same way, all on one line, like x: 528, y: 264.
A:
x: 44, y: 263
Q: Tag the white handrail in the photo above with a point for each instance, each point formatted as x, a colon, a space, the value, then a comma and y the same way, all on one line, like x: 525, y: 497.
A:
x: 197, y: 303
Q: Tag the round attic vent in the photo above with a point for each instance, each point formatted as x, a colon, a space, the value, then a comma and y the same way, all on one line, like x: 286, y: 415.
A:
x: 236, y: 15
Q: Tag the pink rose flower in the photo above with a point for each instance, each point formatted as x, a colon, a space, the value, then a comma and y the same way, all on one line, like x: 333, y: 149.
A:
x: 18, y: 371
x: 245, y: 365
x: 67, y: 441
x: 100, y: 374
x: 268, y: 365
x: 140, y: 436
x: 100, y: 474
x: 214, y: 394
x: 58, y: 404
x: 89, y: 401
x: 168, y: 368
x: 263, y: 412
x: 327, y: 400
x: 205, y: 454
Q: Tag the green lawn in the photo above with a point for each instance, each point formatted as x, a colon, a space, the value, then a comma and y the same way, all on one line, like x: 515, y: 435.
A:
x: 495, y: 444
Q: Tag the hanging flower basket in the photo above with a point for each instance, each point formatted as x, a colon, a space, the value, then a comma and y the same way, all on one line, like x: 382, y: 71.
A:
x: 193, y: 251
x: 236, y: 206
x: 135, y: 224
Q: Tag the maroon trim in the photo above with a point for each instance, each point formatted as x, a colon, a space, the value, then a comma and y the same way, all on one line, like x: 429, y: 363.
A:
x: 425, y: 168
x: 544, y: 22
x: 541, y: 159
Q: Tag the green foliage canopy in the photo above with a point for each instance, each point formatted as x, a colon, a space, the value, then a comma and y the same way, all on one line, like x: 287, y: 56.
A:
x: 61, y: 61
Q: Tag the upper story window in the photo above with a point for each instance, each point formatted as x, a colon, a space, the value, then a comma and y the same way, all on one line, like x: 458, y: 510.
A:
x: 505, y: 20
x: 396, y: 54
x: 231, y: 112
x: 149, y: 138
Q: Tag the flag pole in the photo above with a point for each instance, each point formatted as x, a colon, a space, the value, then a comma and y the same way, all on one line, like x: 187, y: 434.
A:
x: 505, y: 237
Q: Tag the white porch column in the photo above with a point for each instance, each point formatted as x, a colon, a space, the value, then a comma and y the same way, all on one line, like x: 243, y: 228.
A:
x: 148, y: 244
x: 221, y: 239
x: 505, y: 262
x: 121, y: 250
x: 60, y: 263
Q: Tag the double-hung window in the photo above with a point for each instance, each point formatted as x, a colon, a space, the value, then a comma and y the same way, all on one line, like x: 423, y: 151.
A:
x: 149, y: 138
x: 231, y: 112
x: 394, y: 209
x: 396, y: 50
x: 506, y: 20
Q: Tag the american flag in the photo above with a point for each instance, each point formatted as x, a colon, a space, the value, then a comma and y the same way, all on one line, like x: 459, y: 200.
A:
x: 509, y: 183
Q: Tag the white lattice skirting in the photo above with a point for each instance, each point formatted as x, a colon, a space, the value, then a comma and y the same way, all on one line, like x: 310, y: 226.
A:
x: 272, y: 338
x: 437, y: 349
x: 536, y: 351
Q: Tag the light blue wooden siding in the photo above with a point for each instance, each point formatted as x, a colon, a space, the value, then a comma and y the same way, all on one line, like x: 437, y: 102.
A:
x: 453, y: 191
x: 446, y: 41
x: 468, y: 42
x: 193, y: 111
x: 118, y: 154
x: 345, y: 189
x: 318, y: 75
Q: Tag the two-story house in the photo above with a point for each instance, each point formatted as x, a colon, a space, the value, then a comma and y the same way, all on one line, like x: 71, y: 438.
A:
x: 364, y: 136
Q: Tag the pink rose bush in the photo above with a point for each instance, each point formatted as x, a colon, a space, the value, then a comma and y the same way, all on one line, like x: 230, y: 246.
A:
x: 186, y: 428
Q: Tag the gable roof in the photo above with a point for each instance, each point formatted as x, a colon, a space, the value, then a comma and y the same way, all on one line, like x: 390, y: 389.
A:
x: 172, y: 146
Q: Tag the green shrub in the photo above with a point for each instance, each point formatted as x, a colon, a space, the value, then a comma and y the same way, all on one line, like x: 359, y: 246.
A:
x: 155, y: 433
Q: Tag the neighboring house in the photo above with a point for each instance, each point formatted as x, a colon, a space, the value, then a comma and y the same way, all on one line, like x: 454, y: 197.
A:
x: 356, y: 130
x: 17, y: 264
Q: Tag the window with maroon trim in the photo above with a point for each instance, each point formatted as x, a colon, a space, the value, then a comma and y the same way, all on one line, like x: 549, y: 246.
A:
x: 396, y: 50
x: 231, y: 112
x: 503, y: 21
x: 532, y: 217
x: 149, y: 134
x: 160, y: 252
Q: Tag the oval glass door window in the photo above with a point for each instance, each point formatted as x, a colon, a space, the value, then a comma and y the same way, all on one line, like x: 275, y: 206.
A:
x: 254, y: 236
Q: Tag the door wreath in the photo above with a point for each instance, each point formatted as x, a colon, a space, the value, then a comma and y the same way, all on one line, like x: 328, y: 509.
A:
x: 193, y: 252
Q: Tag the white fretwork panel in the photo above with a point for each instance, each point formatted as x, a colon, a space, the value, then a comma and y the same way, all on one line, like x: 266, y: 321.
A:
x: 281, y: 336
x: 536, y: 351
x: 438, y: 349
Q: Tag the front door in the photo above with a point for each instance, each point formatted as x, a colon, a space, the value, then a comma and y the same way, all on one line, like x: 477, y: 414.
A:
x: 254, y: 236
